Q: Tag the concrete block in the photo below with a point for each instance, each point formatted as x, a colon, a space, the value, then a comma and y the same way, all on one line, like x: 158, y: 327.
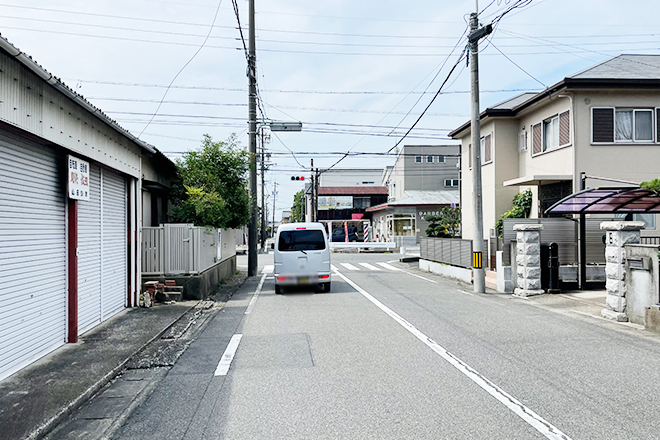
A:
x: 531, y: 237
x: 616, y: 303
x: 520, y: 271
x: 533, y: 284
x: 621, y: 226
x: 614, y: 316
x: 533, y: 273
x: 533, y: 260
x: 652, y: 318
x: 520, y: 260
x: 532, y: 248
x: 520, y: 237
x: 613, y: 254
x: 528, y: 227
x: 615, y: 287
x: 615, y: 271
x: 520, y: 248
x: 527, y: 292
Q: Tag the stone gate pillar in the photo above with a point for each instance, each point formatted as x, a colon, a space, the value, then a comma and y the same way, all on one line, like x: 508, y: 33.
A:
x: 528, y: 259
x: 617, y: 235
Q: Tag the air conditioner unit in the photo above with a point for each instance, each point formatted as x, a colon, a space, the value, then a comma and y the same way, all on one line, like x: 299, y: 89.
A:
x: 493, y: 233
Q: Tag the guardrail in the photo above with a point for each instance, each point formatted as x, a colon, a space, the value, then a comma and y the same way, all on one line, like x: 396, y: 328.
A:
x: 363, y: 245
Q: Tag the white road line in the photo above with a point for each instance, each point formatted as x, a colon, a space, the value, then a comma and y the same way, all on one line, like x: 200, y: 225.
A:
x: 349, y: 266
x: 388, y: 267
x: 369, y: 266
x: 256, y: 295
x: 396, y: 269
x: 466, y: 292
x: 529, y: 416
x: 268, y: 268
x: 228, y: 356
x: 333, y: 267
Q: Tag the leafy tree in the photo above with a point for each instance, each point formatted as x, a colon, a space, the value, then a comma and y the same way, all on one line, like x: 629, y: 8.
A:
x: 522, y: 206
x: 298, y: 206
x: 653, y: 185
x: 212, y: 185
x: 446, y: 224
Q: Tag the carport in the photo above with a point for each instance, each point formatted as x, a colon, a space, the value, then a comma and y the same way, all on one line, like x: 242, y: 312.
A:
x: 611, y: 200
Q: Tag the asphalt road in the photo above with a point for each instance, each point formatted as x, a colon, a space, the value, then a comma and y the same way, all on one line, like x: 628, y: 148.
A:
x: 392, y: 352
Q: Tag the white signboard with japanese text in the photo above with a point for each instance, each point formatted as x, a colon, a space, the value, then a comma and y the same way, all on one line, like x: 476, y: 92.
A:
x: 335, y: 202
x: 78, y: 178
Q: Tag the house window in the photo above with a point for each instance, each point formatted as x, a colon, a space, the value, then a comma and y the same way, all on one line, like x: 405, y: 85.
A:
x: 522, y: 142
x: 441, y: 159
x: 486, y: 153
x: 451, y: 182
x: 361, y: 202
x: 552, y: 133
x: 470, y: 156
x: 648, y: 219
x: 429, y: 159
x: 418, y: 159
x: 621, y: 125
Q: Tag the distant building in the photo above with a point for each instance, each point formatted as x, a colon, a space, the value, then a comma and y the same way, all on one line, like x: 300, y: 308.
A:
x: 286, y: 216
x: 424, y: 179
x: 348, y: 202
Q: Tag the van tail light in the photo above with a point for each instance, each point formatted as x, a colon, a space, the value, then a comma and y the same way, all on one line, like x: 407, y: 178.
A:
x: 325, y: 277
x: 282, y: 278
x: 301, y: 228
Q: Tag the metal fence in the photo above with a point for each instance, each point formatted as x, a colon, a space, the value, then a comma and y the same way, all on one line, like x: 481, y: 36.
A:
x: 650, y: 240
x: 180, y: 249
x: 454, y: 251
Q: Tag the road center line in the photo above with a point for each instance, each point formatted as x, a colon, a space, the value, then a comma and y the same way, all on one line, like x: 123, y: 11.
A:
x: 529, y: 416
x: 256, y: 295
x: 228, y: 356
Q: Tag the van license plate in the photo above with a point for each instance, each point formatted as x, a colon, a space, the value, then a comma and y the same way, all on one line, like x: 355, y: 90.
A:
x: 303, y: 280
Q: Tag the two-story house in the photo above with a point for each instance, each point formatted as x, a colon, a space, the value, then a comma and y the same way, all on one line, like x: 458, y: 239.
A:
x: 423, y: 179
x: 603, y: 121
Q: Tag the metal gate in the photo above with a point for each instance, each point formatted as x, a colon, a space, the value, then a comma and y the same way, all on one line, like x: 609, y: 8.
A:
x: 89, y: 258
x: 114, y: 238
x: 32, y: 253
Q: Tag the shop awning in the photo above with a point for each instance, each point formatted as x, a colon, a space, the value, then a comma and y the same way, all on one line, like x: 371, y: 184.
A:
x: 608, y: 201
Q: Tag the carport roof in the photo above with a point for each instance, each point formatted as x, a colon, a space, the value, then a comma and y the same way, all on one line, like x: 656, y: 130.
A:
x: 608, y: 201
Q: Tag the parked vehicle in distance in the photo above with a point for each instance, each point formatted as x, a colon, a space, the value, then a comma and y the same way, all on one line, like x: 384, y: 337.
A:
x: 302, y: 256
x: 338, y: 234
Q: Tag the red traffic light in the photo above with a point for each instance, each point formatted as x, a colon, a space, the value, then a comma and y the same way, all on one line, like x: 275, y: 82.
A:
x: 297, y: 177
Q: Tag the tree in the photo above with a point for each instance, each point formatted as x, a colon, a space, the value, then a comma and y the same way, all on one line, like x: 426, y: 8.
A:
x: 446, y: 224
x: 522, y: 206
x: 653, y: 185
x: 212, y: 185
x: 297, y: 210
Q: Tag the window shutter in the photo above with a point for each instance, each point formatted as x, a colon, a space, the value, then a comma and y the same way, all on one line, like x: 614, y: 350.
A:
x: 537, y: 138
x: 487, y: 152
x: 602, y: 124
x: 564, y: 128
x: 470, y: 156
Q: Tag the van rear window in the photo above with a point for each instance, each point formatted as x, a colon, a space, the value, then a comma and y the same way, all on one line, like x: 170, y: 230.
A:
x: 301, y: 240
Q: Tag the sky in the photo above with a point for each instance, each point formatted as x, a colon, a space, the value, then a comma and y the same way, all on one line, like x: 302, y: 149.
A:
x: 357, y: 74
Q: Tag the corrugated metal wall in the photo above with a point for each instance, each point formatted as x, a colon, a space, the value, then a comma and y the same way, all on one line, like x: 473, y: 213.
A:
x: 32, y: 253
x: 89, y: 259
x: 115, y: 236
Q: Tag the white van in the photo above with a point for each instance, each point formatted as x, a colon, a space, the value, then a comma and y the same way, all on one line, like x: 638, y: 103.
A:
x: 302, y: 256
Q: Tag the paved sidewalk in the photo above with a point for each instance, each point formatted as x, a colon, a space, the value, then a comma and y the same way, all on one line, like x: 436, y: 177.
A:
x: 40, y: 396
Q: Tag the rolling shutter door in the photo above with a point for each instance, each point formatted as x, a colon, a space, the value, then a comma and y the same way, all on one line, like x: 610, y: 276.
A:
x: 32, y: 254
x: 89, y: 259
x: 114, y: 240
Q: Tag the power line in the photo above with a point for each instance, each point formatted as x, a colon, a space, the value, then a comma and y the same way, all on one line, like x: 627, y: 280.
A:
x: 516, y: 64
x: 182, y: 69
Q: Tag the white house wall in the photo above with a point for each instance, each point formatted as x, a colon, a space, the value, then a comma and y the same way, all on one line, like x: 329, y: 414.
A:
x: 33, y: 105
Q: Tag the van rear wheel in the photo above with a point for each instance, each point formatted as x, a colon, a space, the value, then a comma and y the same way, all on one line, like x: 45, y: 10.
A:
x: 325, y: 287
x: 278, y: 289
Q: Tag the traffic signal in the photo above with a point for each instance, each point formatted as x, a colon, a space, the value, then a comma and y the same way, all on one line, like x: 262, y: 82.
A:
x: 297, y: 177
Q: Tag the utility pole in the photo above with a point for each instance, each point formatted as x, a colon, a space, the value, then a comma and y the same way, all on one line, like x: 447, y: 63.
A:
x: 263, y: 192
x: 313, y: 213
x: 317, y: 175
x: 478, y: 234
x: 272, y: 228
x: 252, y: 115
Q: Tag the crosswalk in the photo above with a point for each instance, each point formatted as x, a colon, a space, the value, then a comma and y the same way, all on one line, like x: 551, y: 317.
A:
x: 268, y: 268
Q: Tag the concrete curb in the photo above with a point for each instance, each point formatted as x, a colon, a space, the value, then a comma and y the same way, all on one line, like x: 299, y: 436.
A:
x: 51, y: 424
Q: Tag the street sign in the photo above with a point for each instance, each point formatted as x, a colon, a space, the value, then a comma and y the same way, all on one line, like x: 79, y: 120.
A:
x: 285, y: 126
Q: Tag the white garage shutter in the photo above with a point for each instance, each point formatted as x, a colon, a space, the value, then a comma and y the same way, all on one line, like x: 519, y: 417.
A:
x: 89, y: 257
x: 32, y: 253
x: 114, y: 240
